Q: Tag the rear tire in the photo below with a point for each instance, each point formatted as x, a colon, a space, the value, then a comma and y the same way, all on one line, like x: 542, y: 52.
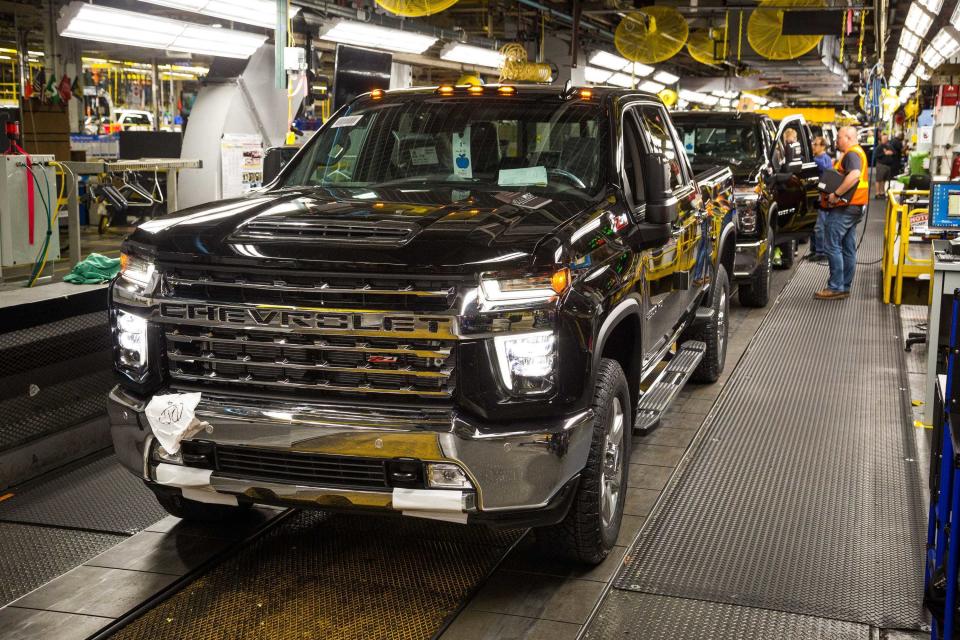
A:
x: 589, y: 531
x: 714, y: 331
x: 756, y: 292
x: 176, y: 505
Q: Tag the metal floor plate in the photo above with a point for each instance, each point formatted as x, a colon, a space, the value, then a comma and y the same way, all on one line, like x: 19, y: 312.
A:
x: 32, y: 556
x: 646, y: 616
x: 802, y: 495
x: 98, y: 495
x: 332, y: 576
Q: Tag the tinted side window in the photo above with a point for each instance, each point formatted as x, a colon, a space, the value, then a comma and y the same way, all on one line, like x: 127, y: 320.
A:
x: 632, y: 153
x: 657, y: 129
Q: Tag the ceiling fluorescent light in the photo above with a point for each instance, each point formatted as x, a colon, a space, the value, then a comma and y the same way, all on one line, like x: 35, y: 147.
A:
x: 933, y: 6
x: 620, y: 80
x: 262, y: 13
x: 923, y: 72
x: 468, y: 54
x: 596, y: 75
x: 904, y: 57
x: 609, y: 61
x: 363, y: 34
x: 955, y: 18
x: 909, y: 41
x: 640, y: 69
x: 651, y: 86
x: 932, y: 57
x: 945, y: 43
x: 918, y: 19
x: 665, y: 77
x: 106, y: 24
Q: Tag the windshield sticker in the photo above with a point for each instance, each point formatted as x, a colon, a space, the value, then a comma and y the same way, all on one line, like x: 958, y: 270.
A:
x: 462, y: 165
x: 527, y: 176
x: 520, y: 199
x: 689, y: 140
x: 346, y: 121
x: 420, y: 156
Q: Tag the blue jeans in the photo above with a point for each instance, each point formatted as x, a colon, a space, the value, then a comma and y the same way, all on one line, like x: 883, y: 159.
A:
x: 840, y: 245
x: 816, y: 238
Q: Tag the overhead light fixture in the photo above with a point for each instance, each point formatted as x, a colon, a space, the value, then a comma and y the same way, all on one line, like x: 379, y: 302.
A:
x: 666, y: 77
x: 904, y: 57
x: 620, y: 80
x: 106, y: 24
x: 919, y: 19
x: 933, y: 6
x: 595, y: 75
x: 651, y: 86
x: 909, y: 41
x: 755, y: 98
x: 945, y: 43
x: 898, y: 70
x: 469, y: 54
x: 932, y: 58
x: 955, y: 18
x: 608, y: 61
x: 640, y: 69
x: 923, y: 72
x: 375, y: 36
x: 775, y: 105
x: 262, y: 13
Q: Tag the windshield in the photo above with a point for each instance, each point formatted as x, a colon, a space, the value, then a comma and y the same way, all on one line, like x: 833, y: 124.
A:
x: 734, y: 144
x: 501, y: 144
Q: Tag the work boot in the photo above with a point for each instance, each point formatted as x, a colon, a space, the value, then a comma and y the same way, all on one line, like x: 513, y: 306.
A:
x: 830, y: 294
x: 777, y: 257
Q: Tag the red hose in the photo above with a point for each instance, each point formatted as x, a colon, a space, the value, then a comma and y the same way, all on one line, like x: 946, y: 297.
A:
x: 30, y: 196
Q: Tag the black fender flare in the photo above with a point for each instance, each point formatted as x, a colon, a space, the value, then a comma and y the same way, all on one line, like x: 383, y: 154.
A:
x: 728, y: 237
x: 623, y: 309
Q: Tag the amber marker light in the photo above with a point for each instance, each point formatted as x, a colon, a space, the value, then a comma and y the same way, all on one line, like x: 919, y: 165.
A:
x: 586, y: 94
x: 560, y: 280
x: 445, y: 90
x: 475, y: 89
x: 376, y: 94
x: 506, y: 91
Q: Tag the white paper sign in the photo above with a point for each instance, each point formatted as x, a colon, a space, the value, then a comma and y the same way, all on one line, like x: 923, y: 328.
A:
x: 172, y: 418
x: 523, y: 177
x: 420, y: 156
x: 346, y: 121
x: 462, y: 162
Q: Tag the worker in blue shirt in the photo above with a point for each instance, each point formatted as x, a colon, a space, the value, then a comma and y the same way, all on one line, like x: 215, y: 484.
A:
x: 824, y: 162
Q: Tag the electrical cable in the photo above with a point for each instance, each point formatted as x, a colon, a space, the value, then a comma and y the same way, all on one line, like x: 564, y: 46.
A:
x: 41, y: 259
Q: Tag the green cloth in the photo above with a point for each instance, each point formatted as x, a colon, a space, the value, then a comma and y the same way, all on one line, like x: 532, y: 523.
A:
x: 94, y: 270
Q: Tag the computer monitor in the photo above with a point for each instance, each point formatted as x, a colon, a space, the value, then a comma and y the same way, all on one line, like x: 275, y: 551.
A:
x: 944, y: 205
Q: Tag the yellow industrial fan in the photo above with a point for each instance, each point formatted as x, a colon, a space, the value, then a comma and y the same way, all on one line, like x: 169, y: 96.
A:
x: 416, y: 8
x: 651, y: 35
x: 706, y: 46
x: 669, y: 97
x: 517, y: 68
x: 765, y: 30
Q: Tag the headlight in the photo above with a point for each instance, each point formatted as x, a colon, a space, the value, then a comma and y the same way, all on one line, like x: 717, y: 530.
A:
x: 139, y: 271
x: 746, y: 201
x: 527, y: 361
x: 131, y: 343
x: 530, y: 290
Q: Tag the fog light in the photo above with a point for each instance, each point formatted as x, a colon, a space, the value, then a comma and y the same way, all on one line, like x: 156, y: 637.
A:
x: 132, y: 340
x: 160, y: 455
x: 527, y: 361
x: 447, y: 476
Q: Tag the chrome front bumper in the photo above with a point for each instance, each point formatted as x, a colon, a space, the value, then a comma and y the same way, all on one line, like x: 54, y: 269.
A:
x: 748, y: 257
x: 518, y: 468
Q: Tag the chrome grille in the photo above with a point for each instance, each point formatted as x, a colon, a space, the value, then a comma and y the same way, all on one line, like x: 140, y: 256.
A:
x: 285, y: 287
x: 292, y: 466
x: 339, y: 364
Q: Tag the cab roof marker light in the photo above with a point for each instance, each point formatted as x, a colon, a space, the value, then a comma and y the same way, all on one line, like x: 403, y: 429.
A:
x: 106, y: 24
x: 586, y: 94
x: 506, y: 90
x: 262, y: 13
x: 376, y: 94
x: 469, y: 54
x: 375, y: 36
x: 475, y: 89
x: 445, y: 90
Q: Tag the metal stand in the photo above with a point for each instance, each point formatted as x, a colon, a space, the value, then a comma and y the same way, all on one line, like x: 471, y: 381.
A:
x: 943, y: 542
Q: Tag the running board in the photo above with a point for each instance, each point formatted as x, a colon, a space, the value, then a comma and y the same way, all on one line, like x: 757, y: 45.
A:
x: 661, y: 394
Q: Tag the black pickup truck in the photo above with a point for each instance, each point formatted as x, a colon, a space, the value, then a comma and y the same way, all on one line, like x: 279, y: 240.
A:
x: 776, y: 201
x: 454, y: 303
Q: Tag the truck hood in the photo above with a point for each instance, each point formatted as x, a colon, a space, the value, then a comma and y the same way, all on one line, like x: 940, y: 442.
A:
x: 359, y: 229
x: 743, y: 172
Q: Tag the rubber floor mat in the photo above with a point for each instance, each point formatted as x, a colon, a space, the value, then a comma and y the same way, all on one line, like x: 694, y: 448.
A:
x: 803, y: 493
x: 32, y: 556
x: 97, y: 494
x: 644, y: 615
x: 332, y: 577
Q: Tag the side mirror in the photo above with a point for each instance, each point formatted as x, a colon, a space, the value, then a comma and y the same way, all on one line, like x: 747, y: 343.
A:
x: 275, y: 159
x: 662, y: 206
x: 649, y: 236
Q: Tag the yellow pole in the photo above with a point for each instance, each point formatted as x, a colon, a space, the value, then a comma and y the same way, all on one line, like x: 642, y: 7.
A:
x: 863, y: 16
x: 843, y: 28
x: 726, y: 32
x: 740, y: 35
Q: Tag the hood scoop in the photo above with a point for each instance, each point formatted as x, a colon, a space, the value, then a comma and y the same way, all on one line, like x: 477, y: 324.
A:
x: 387, y: 233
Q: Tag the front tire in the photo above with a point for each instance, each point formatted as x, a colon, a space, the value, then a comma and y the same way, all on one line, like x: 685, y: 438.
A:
x: 589, y: 531
x: 756, y: 292
x: 713, y: 332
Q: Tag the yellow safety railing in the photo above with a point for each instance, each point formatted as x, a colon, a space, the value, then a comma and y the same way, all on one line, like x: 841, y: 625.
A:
x: 897, y: 261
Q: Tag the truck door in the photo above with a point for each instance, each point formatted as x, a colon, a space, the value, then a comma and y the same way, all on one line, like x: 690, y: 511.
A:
x: 794, y: 182
x: 674, y: 269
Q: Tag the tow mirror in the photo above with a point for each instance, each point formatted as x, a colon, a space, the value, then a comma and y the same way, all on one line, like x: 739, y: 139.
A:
x: 275, y: 159
x: 649, y: 236
x: 662, y: 205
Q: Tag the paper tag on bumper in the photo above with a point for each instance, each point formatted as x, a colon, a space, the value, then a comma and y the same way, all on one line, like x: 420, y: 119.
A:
x: 172, y: 418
